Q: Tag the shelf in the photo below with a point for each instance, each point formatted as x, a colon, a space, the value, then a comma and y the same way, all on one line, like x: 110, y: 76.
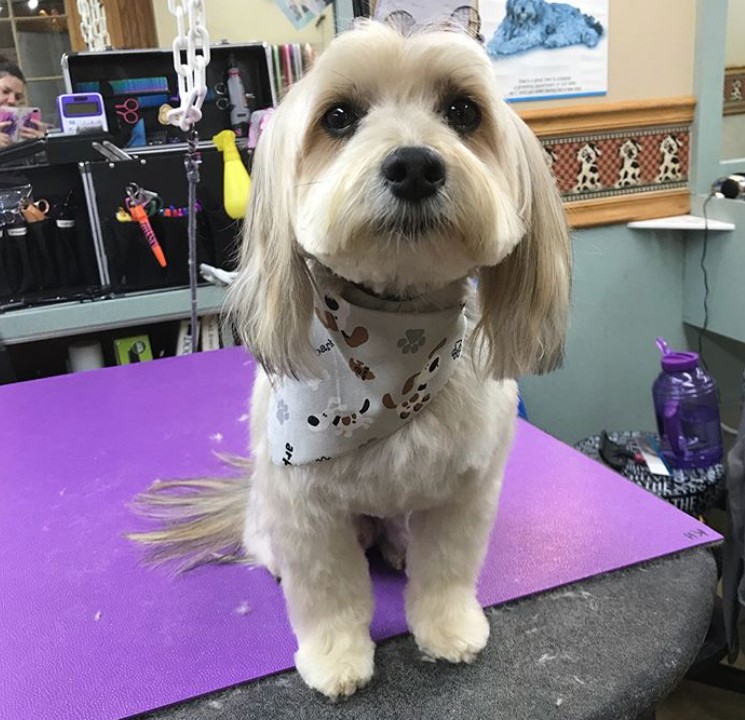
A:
x: 66, y: 319
x: 680, y: 222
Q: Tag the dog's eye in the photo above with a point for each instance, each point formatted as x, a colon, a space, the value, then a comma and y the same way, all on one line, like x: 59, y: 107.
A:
x: 340, y: 120
x: 463, y: 115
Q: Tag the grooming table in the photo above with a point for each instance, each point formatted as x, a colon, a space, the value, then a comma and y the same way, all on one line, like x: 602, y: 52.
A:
x: 88, y: 633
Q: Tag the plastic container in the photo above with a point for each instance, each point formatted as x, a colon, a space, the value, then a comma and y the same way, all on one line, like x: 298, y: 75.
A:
x: 686, y: 403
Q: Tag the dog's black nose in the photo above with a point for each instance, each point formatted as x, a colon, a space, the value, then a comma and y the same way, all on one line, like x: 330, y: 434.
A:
x: 414, y: 173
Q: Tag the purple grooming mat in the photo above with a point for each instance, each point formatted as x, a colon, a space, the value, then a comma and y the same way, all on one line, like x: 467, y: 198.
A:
x: 89, y: 633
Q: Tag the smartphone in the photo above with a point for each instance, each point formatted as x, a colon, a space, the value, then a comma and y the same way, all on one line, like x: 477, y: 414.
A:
x: 30, y: 118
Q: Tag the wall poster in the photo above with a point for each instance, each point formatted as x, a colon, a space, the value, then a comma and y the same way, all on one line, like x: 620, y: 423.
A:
x: 545, y: 50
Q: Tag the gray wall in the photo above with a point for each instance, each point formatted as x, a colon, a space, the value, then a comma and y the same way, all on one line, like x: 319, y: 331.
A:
x: 628, y: 289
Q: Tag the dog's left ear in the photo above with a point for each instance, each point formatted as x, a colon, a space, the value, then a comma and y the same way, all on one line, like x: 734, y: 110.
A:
x: 525, y: 298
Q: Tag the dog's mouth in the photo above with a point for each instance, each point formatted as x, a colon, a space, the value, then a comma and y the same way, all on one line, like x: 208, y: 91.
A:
x: 411, y: 222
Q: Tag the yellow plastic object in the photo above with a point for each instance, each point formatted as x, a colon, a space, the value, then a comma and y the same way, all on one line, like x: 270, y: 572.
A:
x: 237, y: 183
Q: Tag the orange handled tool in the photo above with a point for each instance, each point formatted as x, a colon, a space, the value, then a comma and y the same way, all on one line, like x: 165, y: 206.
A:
x: 138, y: 213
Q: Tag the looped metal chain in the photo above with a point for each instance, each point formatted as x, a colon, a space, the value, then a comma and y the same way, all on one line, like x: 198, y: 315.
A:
x: 191, y: 55
x: 93, y: 25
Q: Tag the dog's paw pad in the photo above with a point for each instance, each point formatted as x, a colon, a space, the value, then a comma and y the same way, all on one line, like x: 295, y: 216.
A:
x: 458, y: 636
x: 338, y: 667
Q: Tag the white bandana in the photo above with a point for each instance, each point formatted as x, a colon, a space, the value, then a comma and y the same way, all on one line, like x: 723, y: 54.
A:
x: 381, y: 369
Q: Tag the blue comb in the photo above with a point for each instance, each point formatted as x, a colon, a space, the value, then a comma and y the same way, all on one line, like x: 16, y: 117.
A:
x: 133, y: 86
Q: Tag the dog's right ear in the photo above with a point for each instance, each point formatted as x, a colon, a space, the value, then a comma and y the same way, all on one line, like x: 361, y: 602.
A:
x: 271, y: 300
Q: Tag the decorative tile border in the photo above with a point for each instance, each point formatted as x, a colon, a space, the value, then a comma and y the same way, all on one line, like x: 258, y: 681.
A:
x: 734, y: 91
x: 621, y: 161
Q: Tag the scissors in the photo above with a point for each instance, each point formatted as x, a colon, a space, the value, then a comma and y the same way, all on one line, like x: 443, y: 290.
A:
x: 129, y: 111
x: 151, y: 201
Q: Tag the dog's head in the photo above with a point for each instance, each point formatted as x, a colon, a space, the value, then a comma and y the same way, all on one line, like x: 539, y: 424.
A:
x: 394, y: 164
x: 630, y: 149
x: 588, y: 153
x: 525, y: 12
x: 670, y: 145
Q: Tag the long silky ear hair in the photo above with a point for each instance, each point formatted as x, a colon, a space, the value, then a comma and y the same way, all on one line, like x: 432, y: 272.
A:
x: 271, y: 300
x: 525, y: 298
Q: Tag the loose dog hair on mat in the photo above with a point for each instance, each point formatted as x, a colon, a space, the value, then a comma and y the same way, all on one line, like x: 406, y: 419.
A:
x: 405, y: 257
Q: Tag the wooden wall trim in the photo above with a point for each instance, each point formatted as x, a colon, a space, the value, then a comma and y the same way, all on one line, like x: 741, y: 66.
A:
x: 606, y: 117
x: 627, y: 208
x: 618, y: 162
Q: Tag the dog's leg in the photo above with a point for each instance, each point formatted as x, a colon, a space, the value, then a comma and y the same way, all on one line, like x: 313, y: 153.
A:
x: 327, y: 586
x: 447, y: 545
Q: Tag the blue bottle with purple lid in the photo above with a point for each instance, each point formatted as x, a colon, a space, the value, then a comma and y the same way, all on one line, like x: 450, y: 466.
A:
x: 686, y: 403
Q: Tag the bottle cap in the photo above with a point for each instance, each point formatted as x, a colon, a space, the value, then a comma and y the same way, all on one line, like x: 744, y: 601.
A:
x: 679, y: 361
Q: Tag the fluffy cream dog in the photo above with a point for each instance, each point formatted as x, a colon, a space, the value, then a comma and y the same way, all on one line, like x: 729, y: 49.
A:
x: 391, y: 176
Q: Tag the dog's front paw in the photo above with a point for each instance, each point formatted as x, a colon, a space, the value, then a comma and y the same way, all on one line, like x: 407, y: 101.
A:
x: 455, y: 631
x: 336, y: 663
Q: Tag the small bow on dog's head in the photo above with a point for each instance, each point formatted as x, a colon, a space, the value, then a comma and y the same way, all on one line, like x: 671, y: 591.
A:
x: 395, y: 164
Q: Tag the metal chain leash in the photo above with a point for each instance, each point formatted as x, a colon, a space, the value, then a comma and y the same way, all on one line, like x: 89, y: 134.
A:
x: 191, y: 55
x: 93, y: 25
x: 192, y: 161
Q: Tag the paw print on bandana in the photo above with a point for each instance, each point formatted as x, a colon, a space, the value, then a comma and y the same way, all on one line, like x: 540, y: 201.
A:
x: 283, y: 412
x: 412, y: 341
x: 457, y: 350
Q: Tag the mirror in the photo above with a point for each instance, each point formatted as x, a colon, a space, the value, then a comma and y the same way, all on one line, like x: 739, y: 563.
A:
x: 733, y: 125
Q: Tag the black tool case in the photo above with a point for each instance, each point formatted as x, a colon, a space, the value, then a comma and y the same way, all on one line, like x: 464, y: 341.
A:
x: 121, y: 75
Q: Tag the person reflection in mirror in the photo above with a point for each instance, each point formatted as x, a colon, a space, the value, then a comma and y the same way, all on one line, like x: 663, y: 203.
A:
x: 13, y: 94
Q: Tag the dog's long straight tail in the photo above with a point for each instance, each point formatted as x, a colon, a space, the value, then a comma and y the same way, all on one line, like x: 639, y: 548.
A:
x: 198, y: 521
